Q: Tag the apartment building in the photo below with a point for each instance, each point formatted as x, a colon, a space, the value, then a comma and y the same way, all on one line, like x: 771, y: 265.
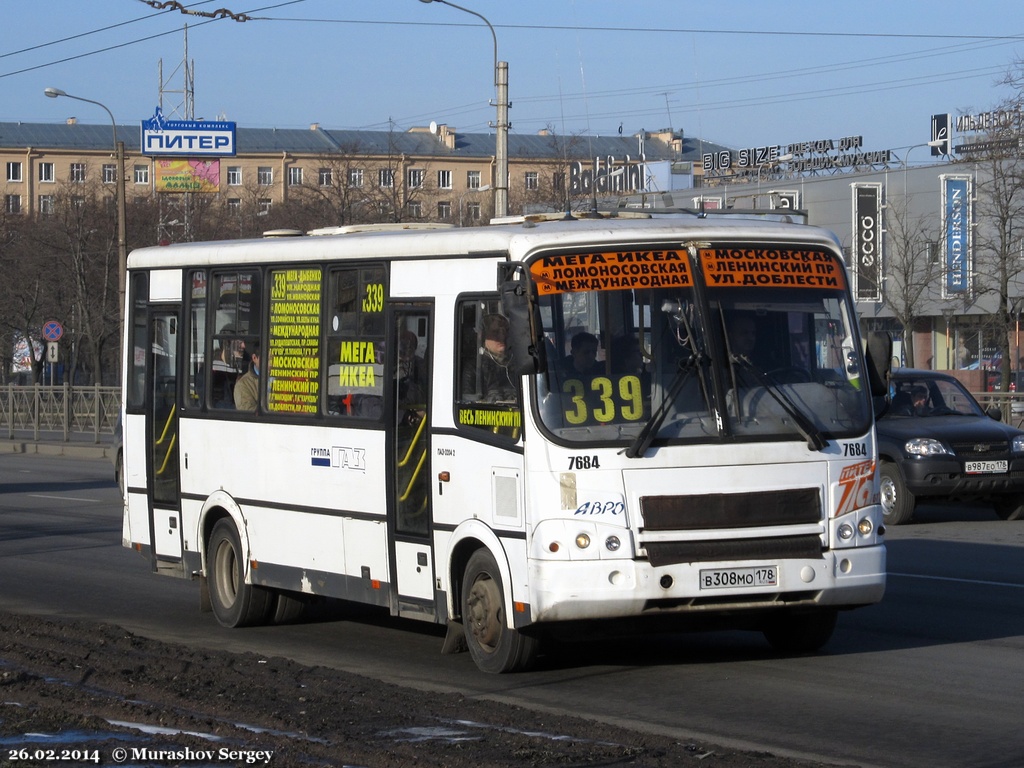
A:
x: 429, y: 174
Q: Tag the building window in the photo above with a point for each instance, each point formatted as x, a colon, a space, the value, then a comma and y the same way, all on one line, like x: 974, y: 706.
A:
x: 444, y: 211
x: 265, y: 204
x: 234, y: 175
x: 264, y: 175
x: 14, y: 172
x: 142, y: 174
x: 414, y: 208
x: 473, y: 211
x: 109, y: 173
x: 472, y: 179
x: 77, y: 172
x: 46, y: 172
x: 386, y: 178
x: 444, y: 179
x: 415, y: 179
x: 558, y: 182
x: 326, y: 177
x: 294, y: 176
x: 235, y: 205
x: 46, y: 204
x: 531, y: 181
x: 77, y: 201
x: 12, y: 203
x: 355, y: 177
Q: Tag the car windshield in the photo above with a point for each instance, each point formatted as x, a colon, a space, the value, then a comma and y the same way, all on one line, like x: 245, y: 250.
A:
x: 926, y: 396
x: 742, y: 359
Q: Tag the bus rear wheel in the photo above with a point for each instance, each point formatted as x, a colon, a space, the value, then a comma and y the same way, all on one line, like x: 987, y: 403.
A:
x: 235, y: 603
x: 494, y: 646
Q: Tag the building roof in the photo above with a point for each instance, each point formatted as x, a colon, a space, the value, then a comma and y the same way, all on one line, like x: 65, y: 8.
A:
x: 317, y: 140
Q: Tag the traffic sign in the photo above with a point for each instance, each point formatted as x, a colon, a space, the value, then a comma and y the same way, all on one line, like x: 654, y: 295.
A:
x: 52, y: 330
x: 52, y: 352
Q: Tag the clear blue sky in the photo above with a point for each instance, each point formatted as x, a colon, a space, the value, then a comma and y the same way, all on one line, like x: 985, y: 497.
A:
x: 736, y: 72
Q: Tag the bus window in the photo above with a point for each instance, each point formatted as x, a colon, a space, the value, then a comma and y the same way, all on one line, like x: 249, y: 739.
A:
x: 355, y: 342
x: 236, y: 312
x: 292, y: 355
x: 195, y: 384
x: 487, y: 393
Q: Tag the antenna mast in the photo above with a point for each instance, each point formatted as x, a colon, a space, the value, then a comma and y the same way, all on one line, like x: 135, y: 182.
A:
x: 176, y: 207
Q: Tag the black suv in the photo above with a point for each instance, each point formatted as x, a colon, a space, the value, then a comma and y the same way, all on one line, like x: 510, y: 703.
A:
x: 935, y: 441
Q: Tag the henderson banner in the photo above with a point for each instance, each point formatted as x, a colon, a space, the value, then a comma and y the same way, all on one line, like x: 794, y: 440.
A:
x: 867, y: 230
x: 956, y: 235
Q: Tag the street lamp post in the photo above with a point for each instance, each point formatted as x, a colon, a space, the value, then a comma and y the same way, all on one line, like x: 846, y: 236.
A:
x: 501, y: 127
x: 122, y: 237
x: 906, y: 160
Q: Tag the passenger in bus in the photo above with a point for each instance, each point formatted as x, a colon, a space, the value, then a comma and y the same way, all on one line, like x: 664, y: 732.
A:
x: 247, y: 388
x: 490, y: 378
x: 412, y: 374
x: 582, y: 357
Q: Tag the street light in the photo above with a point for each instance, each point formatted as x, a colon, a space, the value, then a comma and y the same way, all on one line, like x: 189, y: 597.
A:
x: 501, y: 127
x: 122, y: 238
x: 906, y: 159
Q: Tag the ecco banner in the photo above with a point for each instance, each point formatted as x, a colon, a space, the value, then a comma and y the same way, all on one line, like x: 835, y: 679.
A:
x: 956, y: 235
x: 867, y: 242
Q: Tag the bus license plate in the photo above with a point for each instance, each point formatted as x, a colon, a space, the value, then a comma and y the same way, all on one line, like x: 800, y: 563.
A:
x: 983, y: 467
x: 725, y: 578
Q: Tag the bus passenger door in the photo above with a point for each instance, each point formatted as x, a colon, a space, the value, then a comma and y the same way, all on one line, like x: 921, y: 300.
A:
x: 410, y: 353
x: 162, y: 439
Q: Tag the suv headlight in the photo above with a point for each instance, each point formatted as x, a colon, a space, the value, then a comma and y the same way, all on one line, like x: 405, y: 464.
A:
x: 926, y: 446
x: 1017, y: 446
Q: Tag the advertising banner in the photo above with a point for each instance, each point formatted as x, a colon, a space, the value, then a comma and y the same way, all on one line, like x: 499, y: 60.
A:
x: 187, y: 138
x: 187, y: 175
x: 867, y: 241
x: 956, y: 235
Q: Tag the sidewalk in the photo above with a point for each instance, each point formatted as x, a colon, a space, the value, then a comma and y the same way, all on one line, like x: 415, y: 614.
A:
x: 79, y: 446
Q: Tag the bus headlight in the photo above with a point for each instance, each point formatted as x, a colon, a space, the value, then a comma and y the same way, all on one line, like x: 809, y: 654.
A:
x: 612, y: 543
x: 845, y: 531
x: 865, y: 526
x: 582, y: 540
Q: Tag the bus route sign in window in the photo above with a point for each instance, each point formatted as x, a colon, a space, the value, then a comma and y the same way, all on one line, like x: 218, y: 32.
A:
x: 355, y: 342
x: 293, y: 344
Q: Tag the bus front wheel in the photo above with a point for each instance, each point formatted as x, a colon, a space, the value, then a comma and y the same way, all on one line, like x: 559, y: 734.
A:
x: 235, y: 603
x: 494, y: 646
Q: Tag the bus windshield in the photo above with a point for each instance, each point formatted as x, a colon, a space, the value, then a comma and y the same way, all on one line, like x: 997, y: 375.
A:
x: 711, y: 344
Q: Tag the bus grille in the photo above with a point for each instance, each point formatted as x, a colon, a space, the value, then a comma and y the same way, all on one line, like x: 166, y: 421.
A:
x: 717, y: 511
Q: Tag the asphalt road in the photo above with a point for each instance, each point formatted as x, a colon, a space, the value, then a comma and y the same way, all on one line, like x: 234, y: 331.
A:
x: 931, y: 677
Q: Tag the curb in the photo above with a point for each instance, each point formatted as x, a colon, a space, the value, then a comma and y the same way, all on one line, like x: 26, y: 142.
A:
x: 67, y: 450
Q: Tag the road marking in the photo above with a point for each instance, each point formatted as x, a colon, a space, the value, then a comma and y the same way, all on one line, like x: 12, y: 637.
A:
x: 961, y: 581
x: 61, y: 498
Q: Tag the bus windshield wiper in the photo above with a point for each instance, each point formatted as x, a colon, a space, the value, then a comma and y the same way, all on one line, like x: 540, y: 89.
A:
x: 643, y: 440
x: 815, y: 440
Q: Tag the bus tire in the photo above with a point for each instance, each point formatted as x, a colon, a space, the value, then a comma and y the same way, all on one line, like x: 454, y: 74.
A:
x: 286, y: 608
x: 235, y: 603
x: 494, y: 646
x: 897, y: 502
x: 796, y: 632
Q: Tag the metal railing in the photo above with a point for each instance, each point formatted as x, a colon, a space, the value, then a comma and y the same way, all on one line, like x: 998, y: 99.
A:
x: 59, y: 412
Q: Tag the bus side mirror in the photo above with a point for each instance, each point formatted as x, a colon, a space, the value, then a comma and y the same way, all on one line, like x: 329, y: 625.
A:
x: 524, y: 334
x: 878, y: 360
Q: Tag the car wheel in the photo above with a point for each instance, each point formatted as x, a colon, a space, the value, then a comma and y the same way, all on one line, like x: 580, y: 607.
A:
x: 1010, y: 507
x: 897, y: 502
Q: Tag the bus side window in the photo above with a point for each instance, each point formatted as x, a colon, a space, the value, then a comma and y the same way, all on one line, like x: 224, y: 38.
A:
x: 487, y: 392
x: 355, y: 342
x: 236, y: 316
